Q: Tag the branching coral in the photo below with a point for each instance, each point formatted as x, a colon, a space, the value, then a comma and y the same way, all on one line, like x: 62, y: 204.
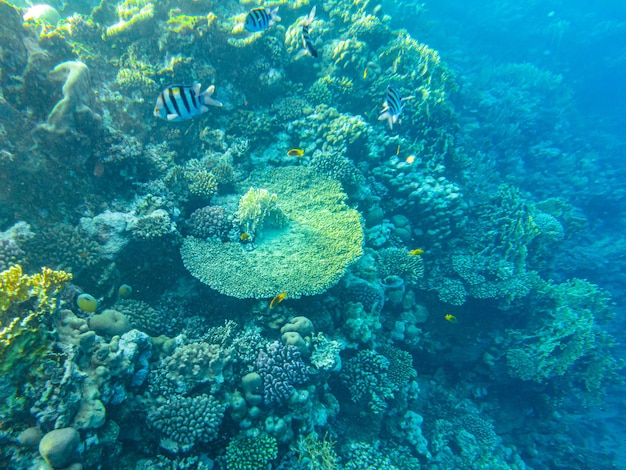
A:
x: 255, y: 208
x: 568, y: 339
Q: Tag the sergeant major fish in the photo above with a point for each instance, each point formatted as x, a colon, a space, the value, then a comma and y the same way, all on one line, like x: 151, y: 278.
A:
x: 181, y: 102
x: 392, y: 107
x: 259, y: 19
x: 309, y: 46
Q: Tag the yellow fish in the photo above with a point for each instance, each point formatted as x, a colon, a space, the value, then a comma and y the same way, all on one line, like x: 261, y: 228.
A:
x: 410, y: 159
x: 451, y: 318
x: 244, y: 236
x: 416, y: 251
x: 365, y: 73
x: 295, y: 153
x: 398, y: 150
x: 278, y: 299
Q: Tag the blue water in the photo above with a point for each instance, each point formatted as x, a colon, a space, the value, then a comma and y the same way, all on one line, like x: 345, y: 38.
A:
x: 404, y: 253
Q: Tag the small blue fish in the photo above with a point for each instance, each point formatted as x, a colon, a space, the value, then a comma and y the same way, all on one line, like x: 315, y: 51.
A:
x: 259, y: 19
x: 392, y: 107
x: 181, y: 102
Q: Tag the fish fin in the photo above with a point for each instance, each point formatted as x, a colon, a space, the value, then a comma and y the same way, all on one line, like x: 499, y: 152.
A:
x: 196, y: 87
x: 274, y: 15
x: 389, y: 117
x: 172, y: 117
x: 207, y: 100
x: 310, y: 17
x: 408, y: 98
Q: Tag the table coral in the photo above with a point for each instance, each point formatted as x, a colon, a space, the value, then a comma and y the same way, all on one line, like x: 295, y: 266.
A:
x: 306, y: 256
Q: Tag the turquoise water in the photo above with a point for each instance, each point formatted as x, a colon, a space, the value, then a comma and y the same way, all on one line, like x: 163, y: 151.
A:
x: 365, y: 235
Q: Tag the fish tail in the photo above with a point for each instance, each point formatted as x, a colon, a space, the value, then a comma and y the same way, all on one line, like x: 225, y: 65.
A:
x: 274, y: 15
x: 310, y: 17
x: 206, y: 97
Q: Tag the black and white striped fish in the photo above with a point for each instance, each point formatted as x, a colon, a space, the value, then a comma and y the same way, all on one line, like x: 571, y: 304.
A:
x: 259, y: 19
x: 307, y: 42
x: 180, y: 102
x: 392, y: 107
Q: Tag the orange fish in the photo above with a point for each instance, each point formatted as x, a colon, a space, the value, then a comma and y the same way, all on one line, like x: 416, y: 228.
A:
x: 295, y: 153
x: 416, y: 251
x: 410, y: 159
x: 244, y: 236
x: 278, y: 299
x: 451, y: 318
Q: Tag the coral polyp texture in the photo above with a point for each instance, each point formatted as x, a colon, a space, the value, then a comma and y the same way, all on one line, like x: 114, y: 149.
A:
x: 308, y: 252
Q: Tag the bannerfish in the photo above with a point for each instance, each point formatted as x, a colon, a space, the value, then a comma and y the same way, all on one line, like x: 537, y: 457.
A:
x: 181, y: 102
x: 307, y: 42
x: 259, y: 19
x: 392, y: 107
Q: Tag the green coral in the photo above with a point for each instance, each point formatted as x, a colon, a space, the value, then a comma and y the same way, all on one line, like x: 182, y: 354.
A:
x: 256, y: 208
x: 251, y: 453
x: 399, y: 262
x: 568, y: 340
x: 308, y: 254
x: 24, y: 342
x: 317, y: 454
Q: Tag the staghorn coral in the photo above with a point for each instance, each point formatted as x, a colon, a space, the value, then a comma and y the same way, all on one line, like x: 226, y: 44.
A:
x: 306, y: 256
x: 281, y: 369
x: 186, y: 421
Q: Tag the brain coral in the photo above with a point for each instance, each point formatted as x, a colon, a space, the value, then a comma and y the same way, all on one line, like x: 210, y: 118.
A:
x: 305, y: 256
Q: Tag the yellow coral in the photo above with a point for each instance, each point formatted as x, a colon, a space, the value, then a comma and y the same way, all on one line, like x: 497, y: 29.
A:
x: 16, y: 287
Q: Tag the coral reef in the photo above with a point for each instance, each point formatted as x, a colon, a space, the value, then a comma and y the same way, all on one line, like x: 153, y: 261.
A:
x: 453, y: 244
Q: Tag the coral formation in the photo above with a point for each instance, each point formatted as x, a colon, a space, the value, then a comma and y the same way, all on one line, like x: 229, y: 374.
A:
x: 186, y: 421
x: 281, y: 369
x: 318, y: 227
